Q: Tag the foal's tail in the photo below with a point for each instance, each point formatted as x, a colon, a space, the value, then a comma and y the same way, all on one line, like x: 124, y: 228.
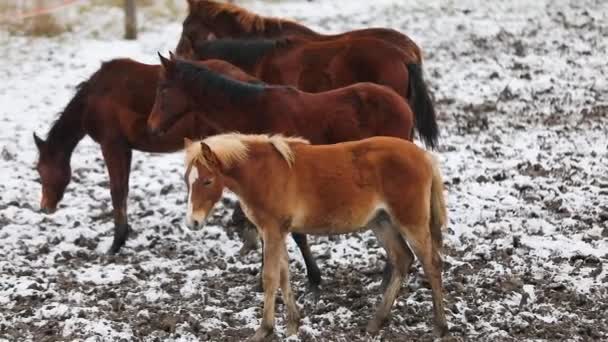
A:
x: 438, y: 211
x: 424, y: 110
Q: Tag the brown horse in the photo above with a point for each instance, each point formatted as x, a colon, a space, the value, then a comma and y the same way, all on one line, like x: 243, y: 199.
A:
x: 385, y: 184
x: 350, y: 113
x: 112, y: 107
x: 208, y: 20
x: 316, y: 66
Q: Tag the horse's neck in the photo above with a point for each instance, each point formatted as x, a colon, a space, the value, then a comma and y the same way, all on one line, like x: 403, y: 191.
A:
x: 223, y: 114
x: 275, y: 29
x: 65, y: 134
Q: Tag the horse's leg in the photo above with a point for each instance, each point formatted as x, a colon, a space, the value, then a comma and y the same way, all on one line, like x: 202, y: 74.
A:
x: 312, y: 270
x: 260, y: 286
x: 118, y: 161
x: 273, y: 239
x: 419, y: 237
x: 293, y: 314
x: 247, y: 230
x: 399, y: 255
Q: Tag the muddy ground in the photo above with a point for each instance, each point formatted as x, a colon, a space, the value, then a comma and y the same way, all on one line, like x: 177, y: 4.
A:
x: 522, y: 96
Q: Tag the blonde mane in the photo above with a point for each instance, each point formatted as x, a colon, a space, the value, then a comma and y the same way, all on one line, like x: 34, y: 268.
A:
x: 249, y: 21
x: 231, y: 148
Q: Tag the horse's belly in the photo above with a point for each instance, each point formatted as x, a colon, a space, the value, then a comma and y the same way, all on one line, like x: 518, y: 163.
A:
x: 336, y: 222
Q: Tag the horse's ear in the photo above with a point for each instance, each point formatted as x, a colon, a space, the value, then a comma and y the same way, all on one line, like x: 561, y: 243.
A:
x: 209, y: 156
x: 171, y: 56
x: 167, y: 64
x: 39, y: 142
x: 187, y: 142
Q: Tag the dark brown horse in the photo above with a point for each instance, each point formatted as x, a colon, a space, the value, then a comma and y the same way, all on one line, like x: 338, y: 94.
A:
x: 316, y: 66
x: 208, y: 20
x: 112, y: 107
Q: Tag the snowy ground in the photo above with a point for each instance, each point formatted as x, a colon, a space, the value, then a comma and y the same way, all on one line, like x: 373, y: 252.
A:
x: 523, y: 98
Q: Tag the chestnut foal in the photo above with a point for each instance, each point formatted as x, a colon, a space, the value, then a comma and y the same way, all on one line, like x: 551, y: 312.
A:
x: 385, y: 184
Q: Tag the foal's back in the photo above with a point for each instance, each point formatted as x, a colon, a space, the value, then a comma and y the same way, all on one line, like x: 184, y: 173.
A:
x: 337, y: 187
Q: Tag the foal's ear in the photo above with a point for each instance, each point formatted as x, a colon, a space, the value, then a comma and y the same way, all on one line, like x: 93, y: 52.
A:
x: 39, y: 142
x: 171, y: 56
x: 187, y: 142
x: 209, y: 156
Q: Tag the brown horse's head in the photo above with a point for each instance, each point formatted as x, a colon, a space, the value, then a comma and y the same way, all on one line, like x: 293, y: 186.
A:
x: 201, y: 25
x: 210, y: 20
x: 54, y: 170
x: 172, y: 101
x: 204, y: 181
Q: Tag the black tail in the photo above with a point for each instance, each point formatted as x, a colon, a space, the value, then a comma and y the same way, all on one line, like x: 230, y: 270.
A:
x: 424, y: 111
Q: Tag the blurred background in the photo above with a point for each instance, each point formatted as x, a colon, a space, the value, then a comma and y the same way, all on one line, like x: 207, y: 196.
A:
x: 53, y: 17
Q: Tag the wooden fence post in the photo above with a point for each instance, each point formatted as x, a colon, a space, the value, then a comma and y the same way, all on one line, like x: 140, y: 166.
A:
x: 130, y: 20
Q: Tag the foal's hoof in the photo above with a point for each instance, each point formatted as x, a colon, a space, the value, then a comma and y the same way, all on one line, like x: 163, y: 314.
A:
x: 292, y: 328
x: 261, y: 334
x: 374, y: 326
x: 441, y: 330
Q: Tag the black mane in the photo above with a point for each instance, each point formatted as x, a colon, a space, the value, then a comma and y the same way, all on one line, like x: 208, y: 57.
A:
x: 240, y: 52
x: 203, y: 78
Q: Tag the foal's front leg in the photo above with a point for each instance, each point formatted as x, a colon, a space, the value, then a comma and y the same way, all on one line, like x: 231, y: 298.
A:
x: 293, y: 314
x: 272, y: 241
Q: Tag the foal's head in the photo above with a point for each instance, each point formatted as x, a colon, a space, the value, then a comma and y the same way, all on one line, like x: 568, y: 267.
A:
x: 203, y: 180
x: 54, y: 170
x: 172, y: 101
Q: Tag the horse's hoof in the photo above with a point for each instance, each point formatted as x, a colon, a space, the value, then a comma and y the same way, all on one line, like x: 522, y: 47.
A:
x: 315, y: 292
x: 260, y: 335
x: 258, y: 287
x: 441, y: 330
x: 373, y: 327
x: 292, y: 328
x: 115, y: 248
x: 293, y: 324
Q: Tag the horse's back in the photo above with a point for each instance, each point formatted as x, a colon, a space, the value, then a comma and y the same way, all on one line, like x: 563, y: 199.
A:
x: 341, y: 186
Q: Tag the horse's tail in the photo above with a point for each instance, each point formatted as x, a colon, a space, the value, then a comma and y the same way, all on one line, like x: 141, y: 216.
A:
x: 424, y: 111
x: 438, y: 210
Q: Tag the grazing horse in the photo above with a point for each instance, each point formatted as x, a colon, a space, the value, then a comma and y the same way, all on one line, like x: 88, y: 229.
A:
x: 112, y: 107
x: 317, y: 66
x: 208, y: 20
x: 385, y: 184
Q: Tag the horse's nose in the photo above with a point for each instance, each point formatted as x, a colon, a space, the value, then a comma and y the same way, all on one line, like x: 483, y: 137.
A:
x: 192, y: 223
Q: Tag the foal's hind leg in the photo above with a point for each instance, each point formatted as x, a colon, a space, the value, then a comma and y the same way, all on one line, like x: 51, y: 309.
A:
x: 419, y: 237
x: 118, y: 161
x: 400, y: 256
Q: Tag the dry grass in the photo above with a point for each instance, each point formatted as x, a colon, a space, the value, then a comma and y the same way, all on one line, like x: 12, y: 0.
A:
x: 66, y: 19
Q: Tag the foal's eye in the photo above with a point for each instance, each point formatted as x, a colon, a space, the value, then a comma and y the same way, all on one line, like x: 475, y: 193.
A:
x: 208, y: 181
